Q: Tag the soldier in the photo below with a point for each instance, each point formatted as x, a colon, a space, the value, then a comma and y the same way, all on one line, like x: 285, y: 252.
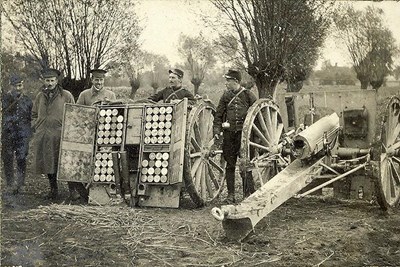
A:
x: 229, y: 117
x: 97, y: 93
x: 16, y: 132
x: 174, y: 90
x: 47, y: 115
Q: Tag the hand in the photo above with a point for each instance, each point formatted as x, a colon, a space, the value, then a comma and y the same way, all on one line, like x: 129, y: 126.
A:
x: 216, y: 136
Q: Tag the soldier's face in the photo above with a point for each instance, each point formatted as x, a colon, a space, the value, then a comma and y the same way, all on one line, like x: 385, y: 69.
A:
x: 19, y: 86
x: 50, y: 82
x: 98, y: 82
x: 231, y: 84
x: 174, y: 80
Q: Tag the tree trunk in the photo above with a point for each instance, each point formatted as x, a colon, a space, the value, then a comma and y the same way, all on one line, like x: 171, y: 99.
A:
x: 265, y: 87
x: 364, y: 84
x: 135, y: 84
x: 196, y: 83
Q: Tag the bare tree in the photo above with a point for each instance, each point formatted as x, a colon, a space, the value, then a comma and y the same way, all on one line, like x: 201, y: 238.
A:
x: 73, y: 36
x: 276, y: 38
x: 370, y: 44
x: 199, y: 57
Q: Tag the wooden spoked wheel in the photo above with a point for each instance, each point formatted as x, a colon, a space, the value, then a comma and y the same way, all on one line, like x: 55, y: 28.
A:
x: 261, y: 144
x: 203, y: 171
x: 389, y: 171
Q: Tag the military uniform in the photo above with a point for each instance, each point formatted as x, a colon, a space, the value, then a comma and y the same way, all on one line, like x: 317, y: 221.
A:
x: 16, y: 132
x: 90, y: 96
x: 232, y: 108
x: 168, y: 94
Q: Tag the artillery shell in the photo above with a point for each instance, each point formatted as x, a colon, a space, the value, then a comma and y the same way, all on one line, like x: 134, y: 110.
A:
x: 143, y: 178
x: 153, y: 140
x: 157, y: 163
x: 150, y: 178
x: 151, y: 163
x: 166, y: 139
x: 161, y: 125
x: 104, y: 156
x: 104, y: 163
x: 154, y: 125
x: 157, y: 171
x: 150, y: 171
x: 148, y: 125
x: 147, y: 133
x: 96, y: 177
x: 110, y: 170
x: 102, y: 178
x: 97, y: 163
x: 168, y: 110
x: 112, y: 140
x: 103, y: 171
x: 158, y: 155
x: 118, y: 140
x: 118, y: 133
x: 165, y: 156
x: 160, y: 132
x: 99, y: 140
x: 168, y: 125
x: 98, y: 155
x: 163, y: 179
x: 108, y: 112
x: 164, y: 171
x: 167, y: 132
x: 161, y: 117
x: 101, y: 127
x: 113, y: 126
x: 162, y: 110
x: 168, y: 117
x: 109, y: 178
x: 149, y: 110
x: 156, y: 110
x: 102, y: 120
x: 145, y: 163
x: 144, y: 170
x: 107, y: 126
x: 113, y: 133
x: 152, y: 155
x: 164, y: 163
x: 147, y: 140
x: 154, y: 132
x: 102, y: 112
x: 107, y: 133
x: 157, y: 178
x: 120, y: 126
x: 100, y: 133
x: 110, y: 163
x: 120, y: 118
x: 113, y: 119
x: 114, y: 112
x: 160, y: 140
x: 149, y: 117
x: 155, y: 117
x: 106, y: 140
x: 108, y: 119
x: 97, y: 170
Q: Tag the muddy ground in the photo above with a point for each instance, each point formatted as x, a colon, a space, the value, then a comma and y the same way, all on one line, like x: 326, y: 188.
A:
x: 314, y: 231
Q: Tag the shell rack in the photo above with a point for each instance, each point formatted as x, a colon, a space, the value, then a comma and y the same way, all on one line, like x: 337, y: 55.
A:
x: 131, y: 152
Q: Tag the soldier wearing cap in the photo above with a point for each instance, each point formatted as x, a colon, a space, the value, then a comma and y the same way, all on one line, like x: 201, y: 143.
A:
x: 16, y: 132
x: 97, y: 93
x: 229, y: 118
x: 175, y: 90
x: 47, y: 118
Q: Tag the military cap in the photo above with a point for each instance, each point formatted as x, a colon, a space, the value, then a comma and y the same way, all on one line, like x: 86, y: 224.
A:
x: 177, y: 72
x: 15, y: 79
x: 233, y: 74
x: 48, y: 73
x: 98, y: 73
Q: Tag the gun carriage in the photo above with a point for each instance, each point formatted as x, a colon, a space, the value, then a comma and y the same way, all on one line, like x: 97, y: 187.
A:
x: 144, y: 153
x: 305, y: 159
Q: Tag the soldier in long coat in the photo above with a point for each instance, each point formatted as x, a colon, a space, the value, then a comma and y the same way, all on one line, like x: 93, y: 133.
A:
x: 16, y: 133
x: 47, y: 117
x: 229, y: 118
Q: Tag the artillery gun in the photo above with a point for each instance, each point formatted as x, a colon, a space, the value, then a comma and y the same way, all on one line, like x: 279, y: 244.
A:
x: 143, y: 153
x: 287, y: 164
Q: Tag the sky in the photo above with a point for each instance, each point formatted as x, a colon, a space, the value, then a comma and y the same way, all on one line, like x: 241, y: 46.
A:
x: 164, y: 20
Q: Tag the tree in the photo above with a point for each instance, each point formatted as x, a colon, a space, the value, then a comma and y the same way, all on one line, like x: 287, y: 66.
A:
x: 73, y: 36
x: 370, y: 44
x: 157, y: 70
x: 278, y: 40
x: 199, y: 57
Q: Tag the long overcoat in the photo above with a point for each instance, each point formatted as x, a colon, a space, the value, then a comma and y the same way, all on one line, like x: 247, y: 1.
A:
x: 47, y: 117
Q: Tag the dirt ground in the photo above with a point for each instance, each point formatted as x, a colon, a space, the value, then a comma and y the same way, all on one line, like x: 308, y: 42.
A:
x: 314, y: 231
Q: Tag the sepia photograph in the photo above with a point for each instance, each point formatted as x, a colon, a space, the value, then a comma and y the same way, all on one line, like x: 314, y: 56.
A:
x: 200, y: 133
